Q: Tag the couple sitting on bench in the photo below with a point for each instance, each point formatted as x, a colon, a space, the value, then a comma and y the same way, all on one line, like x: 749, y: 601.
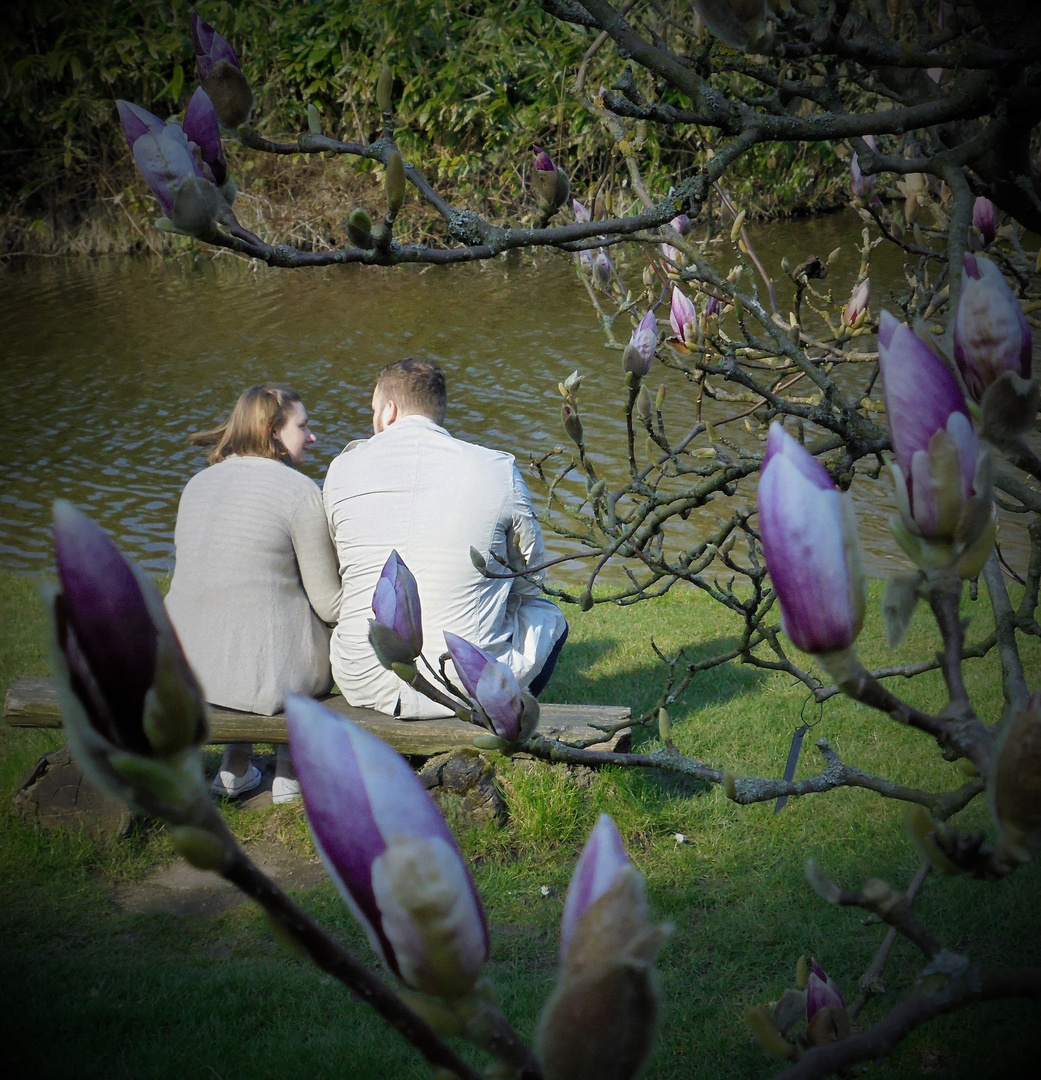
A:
x: 265, y: 572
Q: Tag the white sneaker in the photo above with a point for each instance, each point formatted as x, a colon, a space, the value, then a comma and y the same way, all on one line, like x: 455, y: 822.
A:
x: 284, y: 790
x: 230, y: 786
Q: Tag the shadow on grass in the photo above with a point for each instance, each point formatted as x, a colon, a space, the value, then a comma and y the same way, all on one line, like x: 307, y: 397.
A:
x: 603, y: 671
x: 588, y: 674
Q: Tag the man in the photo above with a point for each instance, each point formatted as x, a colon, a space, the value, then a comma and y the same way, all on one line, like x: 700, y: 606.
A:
x: 415, y: 489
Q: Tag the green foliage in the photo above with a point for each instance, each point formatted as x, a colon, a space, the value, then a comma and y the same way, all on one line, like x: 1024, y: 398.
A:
x: 475, y: 85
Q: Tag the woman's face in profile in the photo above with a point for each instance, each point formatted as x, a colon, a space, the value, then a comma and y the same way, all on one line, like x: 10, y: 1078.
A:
x: 296, y: 436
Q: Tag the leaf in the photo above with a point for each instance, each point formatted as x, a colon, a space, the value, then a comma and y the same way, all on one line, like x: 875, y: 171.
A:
x: 176, y: 83
x: 898, y: 604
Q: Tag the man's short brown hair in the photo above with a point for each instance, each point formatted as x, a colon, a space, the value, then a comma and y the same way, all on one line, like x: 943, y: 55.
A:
x: 416, y: 386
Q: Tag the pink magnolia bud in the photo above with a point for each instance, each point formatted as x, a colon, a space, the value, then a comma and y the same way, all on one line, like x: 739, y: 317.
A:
x: 125, y: 685
x: 493, y: 687
x: 991, y: 333
x: 943, y: 478
x: 396, y: 633
x: 551, y: 183
x: 602, y: 268
x: 683, y: 318
x: 640, y: 351
x: 221, y: 75
x: 922, y: 398
x: 202, y: 128
x: 985, y: 218
x: 181, y: 181
x: 673, y: 254
x: 861, y: 184
x: 827, y: 1020
x: 389, y: 852
x: 855, y: 311
x: 809, y: 537
x: 581, y: 213
x: 603, y: 1015
x: 602, y: 859
x: 821, y: 991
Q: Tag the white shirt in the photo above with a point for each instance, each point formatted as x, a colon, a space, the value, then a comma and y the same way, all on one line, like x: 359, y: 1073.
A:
x: 416, y: 489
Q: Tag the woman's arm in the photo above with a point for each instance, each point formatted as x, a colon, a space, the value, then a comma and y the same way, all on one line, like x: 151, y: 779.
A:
x: 316, y: 556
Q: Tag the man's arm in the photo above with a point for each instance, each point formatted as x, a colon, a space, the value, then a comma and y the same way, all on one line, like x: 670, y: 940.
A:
x: 524, y: 543
x: 331, y: 484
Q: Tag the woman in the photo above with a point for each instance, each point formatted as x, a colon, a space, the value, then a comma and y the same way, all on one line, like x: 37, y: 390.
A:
x: 256, y: 583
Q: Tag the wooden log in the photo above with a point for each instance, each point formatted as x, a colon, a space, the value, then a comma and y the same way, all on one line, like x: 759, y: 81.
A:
x: 33, y: 702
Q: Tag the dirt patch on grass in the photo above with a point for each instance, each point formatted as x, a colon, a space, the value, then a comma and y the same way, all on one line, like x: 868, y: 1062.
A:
x: 181, y: 890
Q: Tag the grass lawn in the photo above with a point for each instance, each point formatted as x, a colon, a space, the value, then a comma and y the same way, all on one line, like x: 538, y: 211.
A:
x: 92, y: 990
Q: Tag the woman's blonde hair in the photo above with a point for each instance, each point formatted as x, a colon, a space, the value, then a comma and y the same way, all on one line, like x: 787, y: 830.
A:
x: 251, y: 427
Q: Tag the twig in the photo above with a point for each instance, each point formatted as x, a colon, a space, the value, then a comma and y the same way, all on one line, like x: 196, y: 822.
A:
x: 870, y: 981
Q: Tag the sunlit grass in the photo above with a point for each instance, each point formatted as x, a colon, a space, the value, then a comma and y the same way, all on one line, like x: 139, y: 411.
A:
x: 147, y: 995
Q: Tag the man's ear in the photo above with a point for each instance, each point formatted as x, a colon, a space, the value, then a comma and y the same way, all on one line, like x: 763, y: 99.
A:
x: 390, y: 412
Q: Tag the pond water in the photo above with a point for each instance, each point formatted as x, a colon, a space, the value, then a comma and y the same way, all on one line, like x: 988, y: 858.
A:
x: 108, y: 365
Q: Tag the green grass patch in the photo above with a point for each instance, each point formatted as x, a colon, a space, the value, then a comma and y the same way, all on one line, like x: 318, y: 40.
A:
x: 91, y: 988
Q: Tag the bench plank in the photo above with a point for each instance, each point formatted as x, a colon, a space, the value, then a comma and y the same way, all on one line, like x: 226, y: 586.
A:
x: 33, y: 702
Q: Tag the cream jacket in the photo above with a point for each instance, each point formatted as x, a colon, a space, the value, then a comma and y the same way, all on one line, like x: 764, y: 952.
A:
x: 416, y: 489
x: 255, y: 583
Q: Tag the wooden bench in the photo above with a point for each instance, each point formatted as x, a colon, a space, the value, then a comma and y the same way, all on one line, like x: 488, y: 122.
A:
x: 33, y: 702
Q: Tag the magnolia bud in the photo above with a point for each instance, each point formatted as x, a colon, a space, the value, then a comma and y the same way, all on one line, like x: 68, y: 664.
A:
x: 827, y: 1025
x: 314, y: 120
x: 758, y: 1018
x: 643, y: 403
x: 395, y: 181
x: 603, y: 1015
x: 550, y: 182
x: 602, y: 203
x: 384, y: 89
x: 921, y: 831
x: 231, y: 94
x: 573, y: 382
x: 572, y: 423
x: 389, y: 852
x: 359, y: 228
x: 197, y: 846
x: 790, y: 1010
x: 1014, y: 785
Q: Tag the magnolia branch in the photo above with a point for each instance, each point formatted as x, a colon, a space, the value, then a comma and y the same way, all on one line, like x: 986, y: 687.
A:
x: 329, y: 955
x: 882, y: 900
x: 746, y: 790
